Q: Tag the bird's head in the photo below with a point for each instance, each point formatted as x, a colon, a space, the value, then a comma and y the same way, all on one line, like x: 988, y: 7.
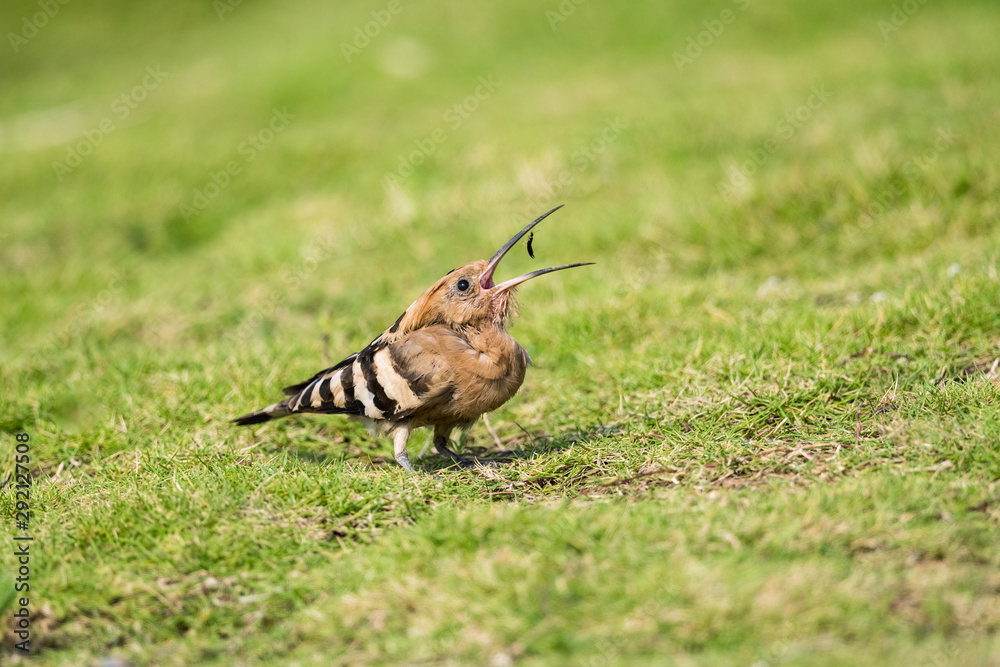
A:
x: 468, y: 296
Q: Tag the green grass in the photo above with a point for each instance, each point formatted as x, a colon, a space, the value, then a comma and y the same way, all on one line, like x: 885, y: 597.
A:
x: 762, y: 430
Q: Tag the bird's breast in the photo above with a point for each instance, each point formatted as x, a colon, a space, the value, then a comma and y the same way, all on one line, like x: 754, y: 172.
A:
x: 488, y: 373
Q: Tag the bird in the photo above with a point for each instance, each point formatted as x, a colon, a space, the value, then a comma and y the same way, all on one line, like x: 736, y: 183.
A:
x: 446, y: 361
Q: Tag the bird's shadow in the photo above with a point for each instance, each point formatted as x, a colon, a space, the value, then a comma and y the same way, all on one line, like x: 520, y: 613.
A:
x: 523, y: 446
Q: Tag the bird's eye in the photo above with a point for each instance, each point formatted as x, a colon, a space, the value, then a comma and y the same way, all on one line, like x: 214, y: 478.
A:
x: 462, y: 285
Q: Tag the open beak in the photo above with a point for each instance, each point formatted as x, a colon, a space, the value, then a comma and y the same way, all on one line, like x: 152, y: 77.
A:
x: 486, y: 279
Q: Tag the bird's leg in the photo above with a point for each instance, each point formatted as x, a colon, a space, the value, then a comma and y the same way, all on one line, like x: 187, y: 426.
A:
x: 399, y: 439
x: 441, y: 434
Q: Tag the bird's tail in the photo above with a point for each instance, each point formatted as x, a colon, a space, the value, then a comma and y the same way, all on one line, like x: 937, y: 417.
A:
x: 267, y: 414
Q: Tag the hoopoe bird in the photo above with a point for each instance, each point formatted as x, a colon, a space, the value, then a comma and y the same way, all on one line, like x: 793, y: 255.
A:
x: 446, y: 361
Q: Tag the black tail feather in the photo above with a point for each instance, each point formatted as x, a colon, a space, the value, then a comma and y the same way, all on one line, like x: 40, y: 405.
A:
x: 267, y: 414
x: 292, y: 390
x: 253, y: 418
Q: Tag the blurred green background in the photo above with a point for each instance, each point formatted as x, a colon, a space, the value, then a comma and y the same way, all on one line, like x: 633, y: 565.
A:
x: 793, y: 211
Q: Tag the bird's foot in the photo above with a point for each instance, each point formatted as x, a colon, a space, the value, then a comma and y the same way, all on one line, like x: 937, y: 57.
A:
x: 404, y: 460
x: 465, y: 463
x: 460, y: 461
x: 441, y: 445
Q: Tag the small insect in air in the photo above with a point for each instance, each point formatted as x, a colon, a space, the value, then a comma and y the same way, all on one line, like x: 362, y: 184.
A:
x: 531, y: 237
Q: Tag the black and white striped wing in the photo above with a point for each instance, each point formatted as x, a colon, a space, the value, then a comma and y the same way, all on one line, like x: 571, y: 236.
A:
x: 385, y: 382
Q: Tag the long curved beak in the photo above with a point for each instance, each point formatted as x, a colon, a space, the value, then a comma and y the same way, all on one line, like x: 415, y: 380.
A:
x: 507, y: 284
x: 486, y: 279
